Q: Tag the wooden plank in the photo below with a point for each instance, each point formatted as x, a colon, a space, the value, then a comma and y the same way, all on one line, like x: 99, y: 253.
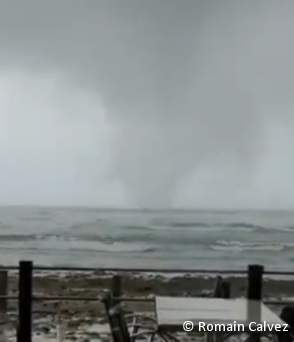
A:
x: 173, y: 312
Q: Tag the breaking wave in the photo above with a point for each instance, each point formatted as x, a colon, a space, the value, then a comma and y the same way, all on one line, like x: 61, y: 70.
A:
x: 75, y: 236
x: 238, y: 246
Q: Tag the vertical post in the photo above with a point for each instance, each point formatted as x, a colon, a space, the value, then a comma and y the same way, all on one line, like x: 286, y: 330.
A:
x: 254, y: 289
x: 3, y: 303
x: 115, y: 289
x: 24, y: 333
x: 226, y: 289
x: 3, y: 291
x: 254, y: 295
x: 217, y: 291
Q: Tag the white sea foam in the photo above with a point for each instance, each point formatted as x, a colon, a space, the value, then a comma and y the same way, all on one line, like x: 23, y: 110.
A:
x: 131, y: 239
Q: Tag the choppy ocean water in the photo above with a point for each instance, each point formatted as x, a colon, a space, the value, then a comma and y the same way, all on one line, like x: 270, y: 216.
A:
x: 146, y: 239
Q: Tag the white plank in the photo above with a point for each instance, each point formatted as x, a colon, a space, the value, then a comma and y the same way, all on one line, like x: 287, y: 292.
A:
x: 173, y: 312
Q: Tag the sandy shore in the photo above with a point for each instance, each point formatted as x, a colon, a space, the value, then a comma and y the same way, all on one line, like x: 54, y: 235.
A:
x: 81, y: 315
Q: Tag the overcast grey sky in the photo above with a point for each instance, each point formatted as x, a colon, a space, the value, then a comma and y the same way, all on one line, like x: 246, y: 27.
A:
x: 147, y: 103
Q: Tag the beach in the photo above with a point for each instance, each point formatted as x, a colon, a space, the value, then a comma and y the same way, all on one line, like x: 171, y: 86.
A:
x: 87, y: 318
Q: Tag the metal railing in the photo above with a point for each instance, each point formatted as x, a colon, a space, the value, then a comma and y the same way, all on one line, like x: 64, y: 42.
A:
x: 26, y: 297
x: 145, y: 270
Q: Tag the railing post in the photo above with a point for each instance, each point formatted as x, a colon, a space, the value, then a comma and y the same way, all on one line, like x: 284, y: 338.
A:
x: 254, y: 289
x: 3, y: 290
x: 226, y: 289
x: 217, y: 290
x: 115, y: 288
x: 254, y: 295
x: 25, y: 296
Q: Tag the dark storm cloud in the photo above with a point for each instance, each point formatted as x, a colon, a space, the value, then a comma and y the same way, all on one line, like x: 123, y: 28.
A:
x: 181, y: 81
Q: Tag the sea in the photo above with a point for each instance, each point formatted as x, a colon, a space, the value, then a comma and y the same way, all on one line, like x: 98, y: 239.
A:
x: 181, y: 239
